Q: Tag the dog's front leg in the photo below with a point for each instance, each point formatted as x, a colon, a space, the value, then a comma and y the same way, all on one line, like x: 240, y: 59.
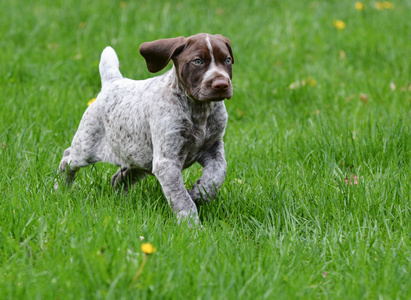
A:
x: 168, y: 172
x: 214, y: 171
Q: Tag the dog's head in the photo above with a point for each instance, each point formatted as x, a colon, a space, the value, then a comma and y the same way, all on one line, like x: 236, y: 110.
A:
x: 203, y: 64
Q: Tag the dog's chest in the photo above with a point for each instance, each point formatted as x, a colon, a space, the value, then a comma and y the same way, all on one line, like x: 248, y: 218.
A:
x: 200, y: 140
x: 201, y: 137
x: 205, y: 131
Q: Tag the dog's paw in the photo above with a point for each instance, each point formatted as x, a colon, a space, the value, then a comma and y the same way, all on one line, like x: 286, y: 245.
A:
x: 118, y: 179
x: 190, y: 217
x: 115, y: 179
x: 197, y: 197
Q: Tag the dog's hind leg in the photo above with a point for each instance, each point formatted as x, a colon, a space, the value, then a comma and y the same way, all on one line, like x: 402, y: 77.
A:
x: 126, y: 177
x: 87, y: 146
x: 64, y: 165
x: 71, y: 163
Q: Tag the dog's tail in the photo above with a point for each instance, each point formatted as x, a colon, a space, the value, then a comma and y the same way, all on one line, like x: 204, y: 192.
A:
x: 109, y: 66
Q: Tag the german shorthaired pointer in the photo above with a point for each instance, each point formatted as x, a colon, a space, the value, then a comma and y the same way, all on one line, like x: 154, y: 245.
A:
x: 161, y: 125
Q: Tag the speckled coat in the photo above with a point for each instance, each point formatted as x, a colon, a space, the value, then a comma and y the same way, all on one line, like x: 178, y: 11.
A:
x: 161, y: 125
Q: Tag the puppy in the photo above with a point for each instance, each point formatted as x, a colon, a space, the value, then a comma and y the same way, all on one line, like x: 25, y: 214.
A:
x: 161, y: 125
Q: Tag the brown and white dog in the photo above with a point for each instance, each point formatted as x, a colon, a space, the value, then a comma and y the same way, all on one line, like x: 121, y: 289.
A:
x: 161, y: 125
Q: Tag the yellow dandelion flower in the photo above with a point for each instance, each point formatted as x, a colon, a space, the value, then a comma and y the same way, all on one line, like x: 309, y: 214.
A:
x: 340, y: 25
x: 91, y: 101
x: 387, y: 5
x: 148, y: 248
x: 379, y: 5
x: 359, y: 6
x: 311, y: 81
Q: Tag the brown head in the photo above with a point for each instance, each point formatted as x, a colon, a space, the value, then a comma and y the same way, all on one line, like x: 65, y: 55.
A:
x: 203, y: 64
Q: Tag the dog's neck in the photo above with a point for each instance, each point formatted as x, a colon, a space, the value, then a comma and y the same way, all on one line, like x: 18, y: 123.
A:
x: 199, y: 110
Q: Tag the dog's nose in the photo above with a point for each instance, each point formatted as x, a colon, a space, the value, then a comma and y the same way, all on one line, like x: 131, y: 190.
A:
x: 220, y: 85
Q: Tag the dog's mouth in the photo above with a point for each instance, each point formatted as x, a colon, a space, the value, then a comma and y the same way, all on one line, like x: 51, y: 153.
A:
x: 220, y: 96
x: 210, y: 99
x: 212, y: 96
x: 219, y: 99
x: 208, y: 94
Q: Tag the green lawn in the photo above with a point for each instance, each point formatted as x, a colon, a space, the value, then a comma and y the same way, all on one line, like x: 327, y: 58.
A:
x: 316, y: 203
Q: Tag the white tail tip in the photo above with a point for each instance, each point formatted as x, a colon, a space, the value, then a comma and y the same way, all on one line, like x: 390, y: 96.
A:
x: 109, y: 66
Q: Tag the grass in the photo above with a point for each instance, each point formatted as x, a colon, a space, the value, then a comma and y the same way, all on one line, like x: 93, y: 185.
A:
x: 291, y: 220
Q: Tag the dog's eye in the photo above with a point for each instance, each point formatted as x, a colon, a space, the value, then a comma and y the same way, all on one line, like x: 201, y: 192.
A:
x: 228, y: 60
x: 197, y: 62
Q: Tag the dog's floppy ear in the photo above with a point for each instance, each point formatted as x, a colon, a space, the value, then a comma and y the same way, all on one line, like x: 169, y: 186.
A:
x: 228, y: 44
x: 158, y: 53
